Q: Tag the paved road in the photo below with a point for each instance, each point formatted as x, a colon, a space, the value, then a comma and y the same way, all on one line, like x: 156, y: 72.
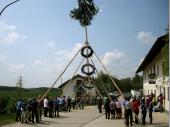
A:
x: 158, y: 121
x: 76, y: 118
x: 89, y: 117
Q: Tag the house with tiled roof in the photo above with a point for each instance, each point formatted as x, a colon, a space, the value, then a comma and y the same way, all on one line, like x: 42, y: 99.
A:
x: 69, y: 87
x: 154, y: 81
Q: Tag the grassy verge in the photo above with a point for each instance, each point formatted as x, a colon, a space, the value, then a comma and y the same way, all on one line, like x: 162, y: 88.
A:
x: 6, y: 119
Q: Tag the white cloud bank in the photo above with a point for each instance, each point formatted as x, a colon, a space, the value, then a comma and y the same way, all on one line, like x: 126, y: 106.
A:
x: 114, y: 58
x: 39, y: 62
x: 8, y: 33
x: 68, y: 54
x: 146, y: 37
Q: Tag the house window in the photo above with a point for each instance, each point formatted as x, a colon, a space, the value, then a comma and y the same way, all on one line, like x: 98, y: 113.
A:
x: 151, y: 91
x: 158, y: 70
x: 167, y: 93
x: 148, y: 92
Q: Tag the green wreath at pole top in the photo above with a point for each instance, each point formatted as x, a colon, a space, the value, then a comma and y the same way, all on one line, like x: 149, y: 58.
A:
x: 85, y: 12
x: 88, y: 73
x: 89, y: 54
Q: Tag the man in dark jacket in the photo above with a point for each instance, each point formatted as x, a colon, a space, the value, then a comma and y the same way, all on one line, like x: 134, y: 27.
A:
x: 68, y: 103
x: 34, y: 107
x: 100, y: 102
x: 107, y: 108
x: 51, y: 106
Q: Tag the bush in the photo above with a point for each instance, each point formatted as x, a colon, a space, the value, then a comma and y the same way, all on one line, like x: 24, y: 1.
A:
x: 4, y: 101
x: 11, y: 108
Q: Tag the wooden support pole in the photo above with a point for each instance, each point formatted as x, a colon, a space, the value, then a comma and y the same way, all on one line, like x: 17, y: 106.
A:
x: 97, y: 88
x: 101, y: 80
x: 72, y: 77
x: 109, y: 75
x: 61, y: 73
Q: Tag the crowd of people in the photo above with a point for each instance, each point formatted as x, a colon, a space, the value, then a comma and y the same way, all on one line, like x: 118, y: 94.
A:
x: 33, y: 109
x: 132, y: 106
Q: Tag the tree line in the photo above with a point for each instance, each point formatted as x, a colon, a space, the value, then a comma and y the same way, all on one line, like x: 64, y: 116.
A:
x: 125, y: 84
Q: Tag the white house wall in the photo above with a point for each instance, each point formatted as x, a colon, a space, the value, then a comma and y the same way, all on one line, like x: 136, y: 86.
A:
x: 69, y: 90
x: 158, y: 87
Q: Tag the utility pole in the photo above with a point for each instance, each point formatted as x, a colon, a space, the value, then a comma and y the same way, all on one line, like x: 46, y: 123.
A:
x: 19, y: 86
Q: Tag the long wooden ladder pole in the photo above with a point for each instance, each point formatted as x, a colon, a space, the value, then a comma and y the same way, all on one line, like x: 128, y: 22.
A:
x: 96, y: 88
x: 101, y: 80
x: 72, y: 76
x: 109, y: 75
x: 80, y: 100
x: 61, y: 73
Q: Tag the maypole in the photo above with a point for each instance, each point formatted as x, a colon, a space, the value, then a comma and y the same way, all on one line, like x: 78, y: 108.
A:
x: 84, y: 14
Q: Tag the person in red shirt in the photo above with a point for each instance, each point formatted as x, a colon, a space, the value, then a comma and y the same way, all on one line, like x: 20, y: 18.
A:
x: 135, y: 108
x: 160, y: 99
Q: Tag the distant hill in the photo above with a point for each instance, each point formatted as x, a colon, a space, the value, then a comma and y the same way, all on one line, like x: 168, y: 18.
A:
x: 10, y: 88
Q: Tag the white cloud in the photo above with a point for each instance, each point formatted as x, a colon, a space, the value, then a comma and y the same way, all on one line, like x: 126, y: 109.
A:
x: 62, y: 58
x: 114, y: 58
x: 68, y: 54
x: 38, y: 62
x: 2, y: 58
x: 53, y: 68
x: 51, y: 44
x: 61, y: 53
x: 6, y: 27
x: 72, y: 53
x: 146, y: 37
x: 15, y: 67
x: 12, y: 37
x: 8, y: 33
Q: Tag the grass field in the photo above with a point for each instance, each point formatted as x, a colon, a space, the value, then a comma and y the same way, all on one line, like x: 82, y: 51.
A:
x: 7, y: 119
x: 29, y: 94
x: 9, y: 97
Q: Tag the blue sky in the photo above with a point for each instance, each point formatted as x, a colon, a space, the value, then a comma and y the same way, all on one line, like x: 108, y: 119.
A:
x: 38, y: 37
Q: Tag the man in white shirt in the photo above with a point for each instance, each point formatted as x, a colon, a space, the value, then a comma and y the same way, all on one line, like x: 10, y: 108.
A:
x: 45, y: 107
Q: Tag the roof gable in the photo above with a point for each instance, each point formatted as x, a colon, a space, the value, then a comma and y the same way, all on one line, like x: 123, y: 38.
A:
x: 66, y: 82
x: 156, y: 48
